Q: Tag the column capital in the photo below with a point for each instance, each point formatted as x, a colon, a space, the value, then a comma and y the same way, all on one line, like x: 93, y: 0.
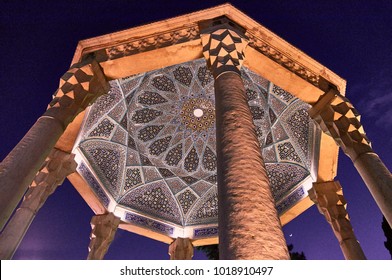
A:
x: 338, y: 118
x: 181, y: 249
x: 244, y: 192
x: 79, y: 87
x: 223, y: 43
x: 104, y: 228
x: 57, y: 166
x: 328, y: 196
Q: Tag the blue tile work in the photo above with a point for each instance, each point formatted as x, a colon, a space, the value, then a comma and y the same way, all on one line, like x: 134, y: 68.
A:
x: 145, y: 131
x: 290, y: 200
x: 205, y: 232
x: 89, y: 177
x: 148, y: 223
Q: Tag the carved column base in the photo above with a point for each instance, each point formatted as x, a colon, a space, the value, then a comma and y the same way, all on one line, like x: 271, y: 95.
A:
x: 104, y: 228
x: 328, y: 197
x: 181, y: 249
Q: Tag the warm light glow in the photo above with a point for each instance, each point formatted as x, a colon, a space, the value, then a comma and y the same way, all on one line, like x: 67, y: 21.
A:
x: 198, y: 113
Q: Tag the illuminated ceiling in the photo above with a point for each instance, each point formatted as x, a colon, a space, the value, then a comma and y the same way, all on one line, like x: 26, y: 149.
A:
x: 147, y: 149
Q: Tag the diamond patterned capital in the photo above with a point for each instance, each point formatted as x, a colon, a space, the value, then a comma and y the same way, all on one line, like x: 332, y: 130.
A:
x: 224, y: 50
x: 79, y: 87
x: 337, y: 117
x: 328, y: 196
x: 56, y: 167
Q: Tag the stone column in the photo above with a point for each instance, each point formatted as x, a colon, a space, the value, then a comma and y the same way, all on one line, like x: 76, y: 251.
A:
x: 104, y: 228
x: 79, y: 87
x: 338, y: 118
x: 181, y: 249
x: 249, y: 227
x: 328, y: 196
x: 56, y: 167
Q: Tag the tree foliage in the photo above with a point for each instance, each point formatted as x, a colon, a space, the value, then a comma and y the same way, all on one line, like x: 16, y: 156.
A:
x: 295, y: 255
x: 212, y: 252
x: 388, y: 234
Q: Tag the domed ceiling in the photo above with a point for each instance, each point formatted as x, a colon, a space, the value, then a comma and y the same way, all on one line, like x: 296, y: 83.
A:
x: 148, y: 147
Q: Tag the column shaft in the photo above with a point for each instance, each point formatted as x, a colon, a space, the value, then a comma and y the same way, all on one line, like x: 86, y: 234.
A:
x: 14, y: 232
x: 378, y: 179
x: 249, y: 227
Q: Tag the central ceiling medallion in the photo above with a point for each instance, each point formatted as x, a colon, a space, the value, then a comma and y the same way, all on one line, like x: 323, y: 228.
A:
x: 198, y: 114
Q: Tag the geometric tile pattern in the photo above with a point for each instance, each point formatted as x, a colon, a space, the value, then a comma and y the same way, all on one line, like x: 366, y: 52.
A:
x: 104, y: 129
x: 206, y: 209
x: 183, y: 75
x: 287, y: 152
x: 191, y: 161
x: 205, y: 232
x: 148, y: 223
x: 186, y: 199
x: 292, y: 199
x: 202, y: 122
x: 94, y: 185
x: 133, y: 178
x: 204, y: 76
x: 151, y: 142
x: 151, y: 98
x: 209, y: 159
x: 149, y: 132
x: 284, y: 177
x: 174, y: 156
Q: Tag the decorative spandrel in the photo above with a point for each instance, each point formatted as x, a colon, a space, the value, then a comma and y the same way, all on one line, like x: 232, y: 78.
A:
x: 151, y: 145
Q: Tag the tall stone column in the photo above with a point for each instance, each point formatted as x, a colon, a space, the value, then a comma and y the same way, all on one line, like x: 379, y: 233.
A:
x: 249, y: 227
x: 338, y: 118
x: 79, y: 87
x: 181, y: 249
x: 56, y: 167
x: 328, y: 196
x: 104, y: 228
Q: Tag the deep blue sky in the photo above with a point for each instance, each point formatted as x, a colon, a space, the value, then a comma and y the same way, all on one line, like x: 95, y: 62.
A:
x: 352, y: 38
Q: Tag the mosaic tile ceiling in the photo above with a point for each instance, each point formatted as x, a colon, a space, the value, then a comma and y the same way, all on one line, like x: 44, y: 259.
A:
x: 149, y: 145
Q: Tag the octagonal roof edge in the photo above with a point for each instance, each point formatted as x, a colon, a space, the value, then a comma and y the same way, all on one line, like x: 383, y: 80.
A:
x: 138, y: 32
x: 259, y: 34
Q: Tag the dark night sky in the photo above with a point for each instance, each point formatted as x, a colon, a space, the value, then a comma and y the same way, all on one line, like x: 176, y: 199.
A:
x: 352, y: 38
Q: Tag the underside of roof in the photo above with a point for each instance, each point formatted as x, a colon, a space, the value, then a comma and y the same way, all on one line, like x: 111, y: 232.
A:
x: 146, y: 150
